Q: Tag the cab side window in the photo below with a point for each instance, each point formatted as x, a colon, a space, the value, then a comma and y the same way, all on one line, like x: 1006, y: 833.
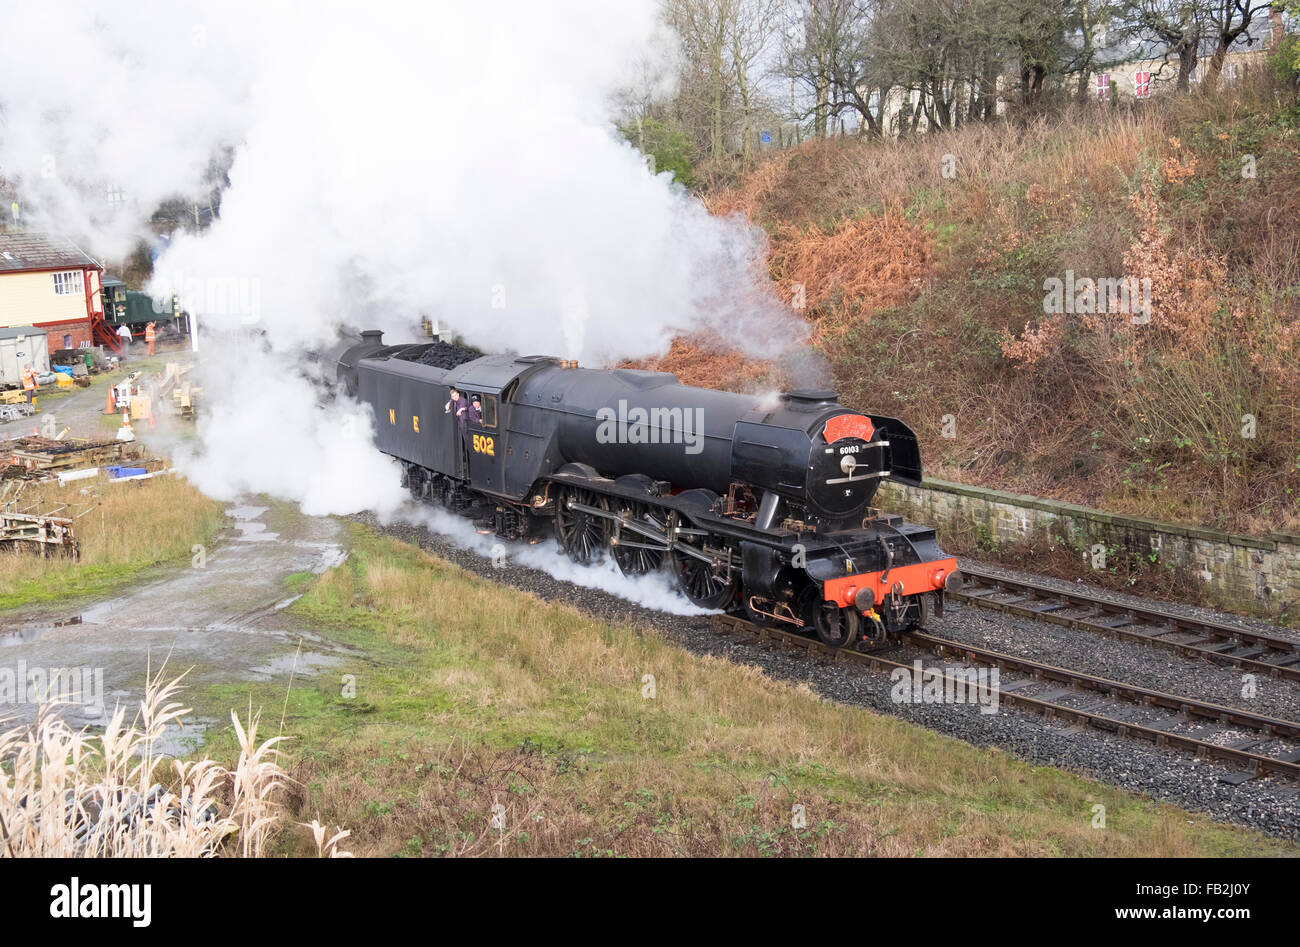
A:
x: 489, y: 405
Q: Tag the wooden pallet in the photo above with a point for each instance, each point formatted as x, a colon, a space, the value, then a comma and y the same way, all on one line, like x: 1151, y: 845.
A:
x: 185, y: 397
x: 43, y: 453
x: 44, y: 531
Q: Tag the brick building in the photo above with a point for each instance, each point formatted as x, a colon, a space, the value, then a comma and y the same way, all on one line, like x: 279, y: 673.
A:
x: 49, y: 283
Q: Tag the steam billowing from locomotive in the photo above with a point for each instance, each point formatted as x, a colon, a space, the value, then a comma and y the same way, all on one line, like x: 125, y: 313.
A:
x: 387, y: 161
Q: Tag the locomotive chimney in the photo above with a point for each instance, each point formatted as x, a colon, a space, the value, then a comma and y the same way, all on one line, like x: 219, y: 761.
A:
x: 805, y: 397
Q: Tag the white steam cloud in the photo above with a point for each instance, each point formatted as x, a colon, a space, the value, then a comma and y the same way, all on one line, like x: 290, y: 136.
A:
x: 654, y: 590
x: 390, y: 160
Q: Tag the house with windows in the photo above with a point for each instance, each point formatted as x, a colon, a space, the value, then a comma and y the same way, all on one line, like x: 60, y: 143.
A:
x: 1129, y: 67
x: 51, y: 285
x: 1125, y: 67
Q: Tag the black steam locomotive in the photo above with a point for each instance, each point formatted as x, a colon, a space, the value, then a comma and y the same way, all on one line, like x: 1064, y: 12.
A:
x: 761, y: 506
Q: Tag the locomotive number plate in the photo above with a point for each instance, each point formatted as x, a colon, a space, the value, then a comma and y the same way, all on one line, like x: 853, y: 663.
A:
x: 484, y: 445
x: 848, y: 425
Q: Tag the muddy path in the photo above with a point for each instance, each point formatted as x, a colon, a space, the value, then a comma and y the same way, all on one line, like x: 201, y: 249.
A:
x: 221, y: 614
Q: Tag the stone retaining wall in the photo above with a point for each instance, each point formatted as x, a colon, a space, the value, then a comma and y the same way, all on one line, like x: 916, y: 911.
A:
x: 1240, y: 572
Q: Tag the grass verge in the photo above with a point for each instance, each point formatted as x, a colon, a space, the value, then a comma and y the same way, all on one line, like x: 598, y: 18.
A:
x: 476, y: 719
x: 126, y: 528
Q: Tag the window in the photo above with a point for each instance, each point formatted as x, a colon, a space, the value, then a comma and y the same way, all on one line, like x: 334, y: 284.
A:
x: 487, y: 405
x: 1142, y: 84
x: 1103, y: 86
x: 68, y: 284
x: 67, y: 340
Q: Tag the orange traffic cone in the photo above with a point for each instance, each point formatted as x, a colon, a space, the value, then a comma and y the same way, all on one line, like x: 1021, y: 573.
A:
x: 108, y: 405
x: 124, y: 433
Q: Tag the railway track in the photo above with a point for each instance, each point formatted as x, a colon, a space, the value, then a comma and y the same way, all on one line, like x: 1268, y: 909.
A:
x: 1097, y: 714
x: 1213, y: 641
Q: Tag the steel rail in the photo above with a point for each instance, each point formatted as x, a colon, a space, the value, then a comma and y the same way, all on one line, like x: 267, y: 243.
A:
x: 1215, y: 641
x: 1256, y: 763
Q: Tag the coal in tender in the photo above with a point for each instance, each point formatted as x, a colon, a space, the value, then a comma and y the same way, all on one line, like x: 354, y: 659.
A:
x: 445, y: 355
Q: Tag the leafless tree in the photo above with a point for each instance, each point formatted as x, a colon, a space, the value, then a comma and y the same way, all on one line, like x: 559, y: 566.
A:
x: 722, y: 44
x: 1172, y: 26
x: 1227, y: 21
x: 829, y: 48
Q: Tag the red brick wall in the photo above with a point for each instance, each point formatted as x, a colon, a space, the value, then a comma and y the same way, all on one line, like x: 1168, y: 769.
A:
x: 56, y: 331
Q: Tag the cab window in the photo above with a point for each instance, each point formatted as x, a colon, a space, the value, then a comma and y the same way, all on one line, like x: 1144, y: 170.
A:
x: 489, y: 406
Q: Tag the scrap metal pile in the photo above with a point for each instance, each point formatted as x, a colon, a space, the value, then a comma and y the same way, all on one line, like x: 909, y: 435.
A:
x: 40, y: 458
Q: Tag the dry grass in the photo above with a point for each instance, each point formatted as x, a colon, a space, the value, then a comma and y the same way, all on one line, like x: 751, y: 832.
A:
x: 471, y: 697
x: 858, y: 266
x: 927, y: 294
x: 705, y: 361
x: 120, y: 528
x: 66, y: 793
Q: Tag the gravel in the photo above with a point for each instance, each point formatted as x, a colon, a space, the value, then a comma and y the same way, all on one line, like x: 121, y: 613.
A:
x: 1269, y: 804
x: 1119, y: 660
x: 1122, y: 598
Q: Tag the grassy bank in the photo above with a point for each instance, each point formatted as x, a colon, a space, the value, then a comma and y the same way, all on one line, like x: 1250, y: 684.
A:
x: 924, y: 268
x: 463, y: 696
x: 123, y: 529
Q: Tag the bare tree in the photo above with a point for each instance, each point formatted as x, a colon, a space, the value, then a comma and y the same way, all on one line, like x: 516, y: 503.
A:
x: 722, y: 45
x: 829, y: 49
x: 702, y: 27
x: 1174, y: 26
x: 948, y: 54
x: 1227, y: 21
x: 752, y: 32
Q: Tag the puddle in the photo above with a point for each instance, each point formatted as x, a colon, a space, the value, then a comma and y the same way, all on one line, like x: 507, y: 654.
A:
x: 246, y: 512
x: 332, y: 557
x: 22, y: 635
x: 182, y: 741
x: 306, y: 664
x: 224, y: 617
x: 254, y: 533
x: 250, y: 531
